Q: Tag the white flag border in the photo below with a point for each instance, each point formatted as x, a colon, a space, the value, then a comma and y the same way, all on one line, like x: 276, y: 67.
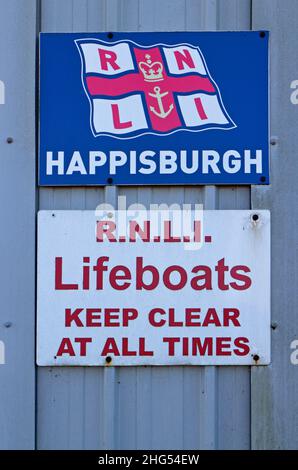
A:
x: 184, y: 129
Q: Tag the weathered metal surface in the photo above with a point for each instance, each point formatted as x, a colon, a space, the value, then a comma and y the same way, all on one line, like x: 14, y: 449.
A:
x: 148, y: 407
x: 274, y: 388
x: 17, y: 239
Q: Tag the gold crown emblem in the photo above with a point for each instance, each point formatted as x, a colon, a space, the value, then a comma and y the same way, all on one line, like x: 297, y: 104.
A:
x: 152, y: 71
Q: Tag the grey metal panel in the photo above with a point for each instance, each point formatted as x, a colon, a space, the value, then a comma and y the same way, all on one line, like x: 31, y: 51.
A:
x: 17, y: 236
x: 233, y: 395
x: 70, y: 402
x: 274, y: 388
x: 178, y: 407
x: 234, y: 14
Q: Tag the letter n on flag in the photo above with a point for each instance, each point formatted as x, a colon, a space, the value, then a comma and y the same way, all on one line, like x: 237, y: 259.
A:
x: 135, y: 90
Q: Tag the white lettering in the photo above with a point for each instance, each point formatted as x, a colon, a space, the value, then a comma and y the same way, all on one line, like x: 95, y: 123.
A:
x: 162, y: 162
x: 168, y: 163
x: 145, y: 161
x: 117, y: 159
x: 76, y: 164
x: 96, y: 159
x: 210, y: 160
x: 231, y: 161
x: 59, y: 163
x: 249, y: 161
x: 194, y: 165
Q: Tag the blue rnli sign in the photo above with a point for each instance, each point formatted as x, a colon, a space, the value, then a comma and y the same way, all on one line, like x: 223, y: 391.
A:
x: 153, y: 108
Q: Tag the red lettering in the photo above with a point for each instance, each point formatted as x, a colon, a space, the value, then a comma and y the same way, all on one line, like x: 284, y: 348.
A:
x: 110, y: 317
x: 86, y: 274
x: 152, y: 317
x: 116, y: 118
x: 185, y: 346
x: 143, y: 351
x: 134, y: 229
x: 206, y: 277
x: 221, y: 269
x: 221, y: 345
x: 83, y: 345
x: 125, y: 348
x: 243, y: 347
x: 91, y: 318
x: 105, y: 227
x: 197, y: 231
x: 140, y: 273
x: 172, y: 321
x: 184, y: 57
x: 128, y: 315
x: 190, y: 317
x: 171, y: 345
x: 99, y: 268
x: 200, y: 109
x: 168, y: 237
x: 73, y: 317
x: 66, y: 348
x: 240, y: 277
x: 204, y: 347
x: 110, y: 347
x: 211, y: 318
x: 230, y: 315
x: 108, y: 58
x: 115, y: 277
x: 167, y: 275
x: 59, y: 285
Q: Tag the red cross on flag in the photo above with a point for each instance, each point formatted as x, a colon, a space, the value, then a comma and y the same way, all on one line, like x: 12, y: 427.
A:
x: 159, y: 89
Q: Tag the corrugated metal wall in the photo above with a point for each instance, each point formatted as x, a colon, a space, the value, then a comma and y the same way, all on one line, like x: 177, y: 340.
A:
x: 148, y: 407
x: 275, y: 388
x: 180, y: 407
x: 17, y: 233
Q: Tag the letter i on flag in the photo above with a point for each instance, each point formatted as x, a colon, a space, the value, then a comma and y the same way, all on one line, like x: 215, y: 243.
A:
x: 135, y: 90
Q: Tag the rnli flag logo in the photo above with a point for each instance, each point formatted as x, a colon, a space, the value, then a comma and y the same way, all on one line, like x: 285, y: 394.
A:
x: 161, y: 89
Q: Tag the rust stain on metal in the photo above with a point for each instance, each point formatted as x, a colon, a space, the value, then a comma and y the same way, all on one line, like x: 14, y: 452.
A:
x: 256, y: 358
x: 108, y: 361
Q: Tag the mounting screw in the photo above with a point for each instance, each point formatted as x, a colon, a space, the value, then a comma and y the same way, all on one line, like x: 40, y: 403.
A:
x: 8, y: 324
x: 9, y: 140
x: 262, y: 34
x: 108, y: 359
x: 274, y: 325
x: 273, y: 140
x: 255, y: 217
x: 110, y: 35
x: 263, y: 179
x: 256, y: 357
x: 110, y: 180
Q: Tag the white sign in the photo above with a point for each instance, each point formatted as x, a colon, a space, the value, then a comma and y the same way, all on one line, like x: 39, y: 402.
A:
x: 153, y: 300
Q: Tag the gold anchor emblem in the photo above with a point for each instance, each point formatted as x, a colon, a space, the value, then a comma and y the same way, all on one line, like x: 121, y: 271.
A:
x: 162, y: 113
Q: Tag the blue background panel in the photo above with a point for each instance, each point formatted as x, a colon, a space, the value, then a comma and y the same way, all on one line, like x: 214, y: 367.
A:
x: 237, y: 62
